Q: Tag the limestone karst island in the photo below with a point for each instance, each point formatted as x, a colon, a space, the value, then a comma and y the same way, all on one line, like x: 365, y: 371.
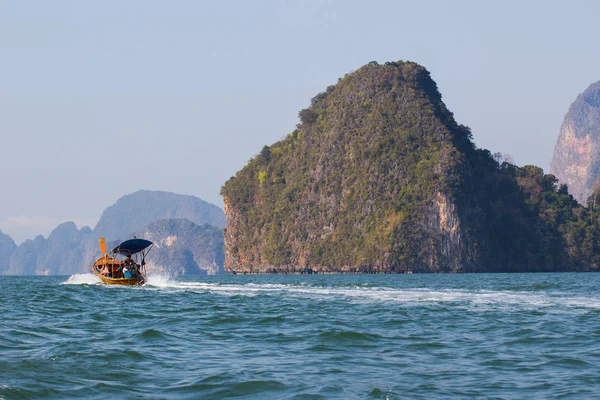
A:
x: 379, y: 177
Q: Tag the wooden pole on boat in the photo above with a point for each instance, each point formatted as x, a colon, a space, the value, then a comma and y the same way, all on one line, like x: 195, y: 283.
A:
x: 102, y: 245
x: 103, y: 251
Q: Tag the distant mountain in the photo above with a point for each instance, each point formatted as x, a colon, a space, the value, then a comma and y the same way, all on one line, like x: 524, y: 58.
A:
x: 134, y: 211
x: 184, y: 248
x: 62, y: 253
x: 576, y: 158
x: 7, y: 248
x: 195, y: 238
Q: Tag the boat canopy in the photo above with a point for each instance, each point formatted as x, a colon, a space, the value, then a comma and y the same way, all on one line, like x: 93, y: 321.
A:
x: 132, y: 246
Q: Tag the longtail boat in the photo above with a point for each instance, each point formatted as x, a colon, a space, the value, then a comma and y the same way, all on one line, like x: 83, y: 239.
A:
x: 123, y: 265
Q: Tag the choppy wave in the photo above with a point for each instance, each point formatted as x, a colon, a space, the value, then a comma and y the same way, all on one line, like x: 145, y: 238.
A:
x: 426, y: 336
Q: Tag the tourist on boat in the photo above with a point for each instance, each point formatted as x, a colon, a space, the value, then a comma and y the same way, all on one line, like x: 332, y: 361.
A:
x: 129, y: 261
x: 129, y: 267
x: 105, y: 271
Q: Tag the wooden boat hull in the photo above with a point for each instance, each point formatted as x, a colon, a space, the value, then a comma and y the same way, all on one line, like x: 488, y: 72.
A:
x: 113, y: 265
x: 139, y: 280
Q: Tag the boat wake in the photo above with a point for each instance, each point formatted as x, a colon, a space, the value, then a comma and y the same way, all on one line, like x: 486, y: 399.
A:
x: 162, y: 281
x: 473, y: 299
x: 83, y: 279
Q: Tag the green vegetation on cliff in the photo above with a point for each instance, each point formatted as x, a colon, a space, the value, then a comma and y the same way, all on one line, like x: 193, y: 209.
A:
x: 379, y: 177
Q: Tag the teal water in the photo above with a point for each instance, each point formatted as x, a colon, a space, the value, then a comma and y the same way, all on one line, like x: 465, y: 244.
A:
x: 302, y: 337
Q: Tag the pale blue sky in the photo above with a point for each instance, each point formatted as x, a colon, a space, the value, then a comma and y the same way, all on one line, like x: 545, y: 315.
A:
x: 102, y: 98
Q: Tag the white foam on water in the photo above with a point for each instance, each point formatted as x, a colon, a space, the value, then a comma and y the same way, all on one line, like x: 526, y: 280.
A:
x: 82, y: 279
x: 480, y: 299
x: 161, y: 281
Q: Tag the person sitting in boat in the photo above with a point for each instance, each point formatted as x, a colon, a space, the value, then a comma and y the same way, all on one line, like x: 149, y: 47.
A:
x: 129, y: 261
x: 129, y: 267
x: 105, y: 271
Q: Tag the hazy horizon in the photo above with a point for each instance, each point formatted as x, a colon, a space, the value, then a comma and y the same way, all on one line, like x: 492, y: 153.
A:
x: 101, y: 99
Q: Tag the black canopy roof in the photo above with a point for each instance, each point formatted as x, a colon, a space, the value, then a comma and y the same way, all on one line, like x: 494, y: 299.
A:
x: 132, y: 246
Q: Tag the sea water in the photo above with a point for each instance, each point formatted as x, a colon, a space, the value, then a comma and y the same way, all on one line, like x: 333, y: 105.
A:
x: 302, y: 337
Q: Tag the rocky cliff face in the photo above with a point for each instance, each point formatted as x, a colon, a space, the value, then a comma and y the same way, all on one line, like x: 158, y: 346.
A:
x: 576, y: 158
